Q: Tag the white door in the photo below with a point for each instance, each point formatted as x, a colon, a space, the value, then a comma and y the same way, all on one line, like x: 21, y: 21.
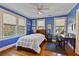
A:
x: 77, y: 32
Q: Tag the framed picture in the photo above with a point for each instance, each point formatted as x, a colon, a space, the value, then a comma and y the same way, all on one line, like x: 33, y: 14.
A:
x: 33, y: 23
x: 28, y: 22
x: 49, y: 26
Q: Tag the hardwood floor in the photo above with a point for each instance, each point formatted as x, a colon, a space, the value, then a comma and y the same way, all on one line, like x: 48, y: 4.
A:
x: 14, y: 52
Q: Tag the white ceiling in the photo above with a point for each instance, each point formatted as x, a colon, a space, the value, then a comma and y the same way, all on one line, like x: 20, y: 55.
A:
x: 30, y: 9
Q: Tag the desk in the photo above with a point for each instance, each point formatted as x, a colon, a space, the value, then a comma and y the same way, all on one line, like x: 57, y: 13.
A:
x: 70, y: 39
x: 67, y: 39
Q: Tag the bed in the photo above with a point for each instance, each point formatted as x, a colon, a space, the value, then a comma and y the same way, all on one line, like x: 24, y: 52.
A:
x: 31, y: 42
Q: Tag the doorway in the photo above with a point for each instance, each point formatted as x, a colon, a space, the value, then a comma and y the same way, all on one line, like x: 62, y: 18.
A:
x: 77, y: 32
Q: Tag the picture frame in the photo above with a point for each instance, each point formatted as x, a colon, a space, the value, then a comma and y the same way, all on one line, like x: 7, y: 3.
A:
x: 49, y: 26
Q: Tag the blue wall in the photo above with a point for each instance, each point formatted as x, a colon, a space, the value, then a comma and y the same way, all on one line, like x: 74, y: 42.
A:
x: 29, y: 27
x: 49, y: 20
x: 72, y: 13
x: 8, y: 41
x: 72, y: 17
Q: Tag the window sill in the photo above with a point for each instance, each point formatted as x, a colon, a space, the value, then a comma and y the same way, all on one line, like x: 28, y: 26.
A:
x: 9, y: 37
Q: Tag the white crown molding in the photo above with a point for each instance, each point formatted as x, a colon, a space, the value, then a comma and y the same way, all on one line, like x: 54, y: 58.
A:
x: 71, y: 8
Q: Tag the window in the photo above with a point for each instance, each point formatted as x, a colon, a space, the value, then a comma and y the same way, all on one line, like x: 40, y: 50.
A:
x: 60, y: 25
x: 21, y: 26
x: 9, y: 25
x: 41, y: 24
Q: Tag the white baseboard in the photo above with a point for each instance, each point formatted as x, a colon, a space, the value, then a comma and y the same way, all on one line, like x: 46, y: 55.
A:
x: 70, y: 46
x: 6, y: 47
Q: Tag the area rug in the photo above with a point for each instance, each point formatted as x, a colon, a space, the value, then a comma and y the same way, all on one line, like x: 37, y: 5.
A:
x: 54, y: 48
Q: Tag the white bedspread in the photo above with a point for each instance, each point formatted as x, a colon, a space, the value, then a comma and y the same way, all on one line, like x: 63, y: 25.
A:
x: 31, y: 41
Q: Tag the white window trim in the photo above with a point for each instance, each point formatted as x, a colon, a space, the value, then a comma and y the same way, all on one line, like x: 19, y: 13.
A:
x: 16, y: 32
x: 59, y: 19
x: 15, y: 27
x: 18, y: 25
x: 40, y: 23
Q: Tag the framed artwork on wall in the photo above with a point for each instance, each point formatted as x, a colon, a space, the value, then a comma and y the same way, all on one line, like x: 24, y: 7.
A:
x: 33, y: 23
x: 28, y: 22
x: 34, y: 29
x: 49, y: 26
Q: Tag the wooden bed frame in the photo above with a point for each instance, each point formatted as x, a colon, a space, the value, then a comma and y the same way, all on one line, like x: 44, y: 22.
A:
x: 42, y: 31
x: 28, y: 49
x: 31, y: 50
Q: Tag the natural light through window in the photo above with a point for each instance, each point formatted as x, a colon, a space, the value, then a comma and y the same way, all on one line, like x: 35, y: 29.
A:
x: 60, y: 25
x: 21, y: 26
x: 9, y: 25
x: 41, y: 24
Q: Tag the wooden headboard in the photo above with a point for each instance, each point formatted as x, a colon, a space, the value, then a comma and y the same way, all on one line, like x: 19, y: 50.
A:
x: 42, y: 31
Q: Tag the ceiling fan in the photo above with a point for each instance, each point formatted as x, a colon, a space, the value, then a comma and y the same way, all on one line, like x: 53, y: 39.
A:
x: 41, y: 8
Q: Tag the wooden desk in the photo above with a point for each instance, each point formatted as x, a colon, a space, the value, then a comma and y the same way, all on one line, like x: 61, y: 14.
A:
x: 67, y: 39
x: 70, y: 39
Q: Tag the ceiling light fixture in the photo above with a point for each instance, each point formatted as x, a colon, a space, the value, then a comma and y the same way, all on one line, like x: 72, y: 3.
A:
x: 40, y: 13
